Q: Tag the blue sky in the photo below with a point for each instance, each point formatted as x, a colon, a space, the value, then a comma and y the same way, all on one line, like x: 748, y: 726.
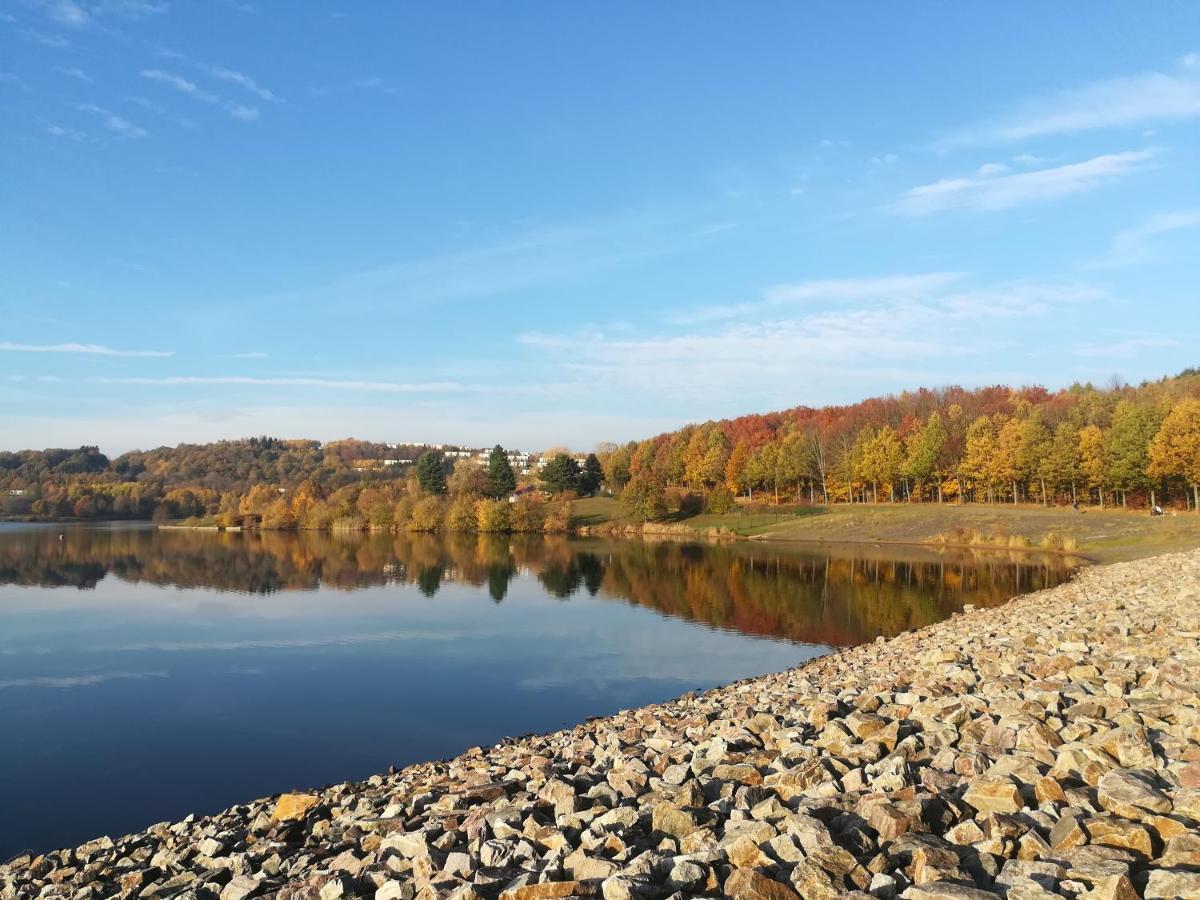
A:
x: 565, y: 223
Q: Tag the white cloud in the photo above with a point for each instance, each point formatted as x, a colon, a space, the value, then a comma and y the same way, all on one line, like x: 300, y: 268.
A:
x: 825, y: 290
x: 1126, y: 348
x: 90, y: 349
x: 253, y: 354
x: 1134, y: 245
x: 181, y: 84
x: 73, y: 72
x: 880, y: 340
x: 55, y: 41
x: 69, y: 133
x: 117, y: 124
x: 240, y: 78
x: 66, y: 12
x: 996, y: 191
x: 342, y: 384
x: 1134, y: 101
x: 73, y: 681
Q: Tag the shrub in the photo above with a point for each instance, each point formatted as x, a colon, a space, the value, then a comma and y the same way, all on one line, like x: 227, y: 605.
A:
x: 720, y: 500
x: 494, y: 515
x: 642, y: 500
x: 527, y: 514
x: 426, y: 515
x: 461, y: 515
x: 557, y: 518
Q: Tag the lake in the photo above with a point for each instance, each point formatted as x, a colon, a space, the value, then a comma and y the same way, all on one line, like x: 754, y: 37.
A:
x: 146, y: 674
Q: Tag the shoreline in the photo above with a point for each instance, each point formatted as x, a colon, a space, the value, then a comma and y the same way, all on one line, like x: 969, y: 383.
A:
x: 1051, y: 744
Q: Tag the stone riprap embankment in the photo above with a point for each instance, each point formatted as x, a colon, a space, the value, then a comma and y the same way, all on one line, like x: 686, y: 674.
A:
x: 1050, y: 747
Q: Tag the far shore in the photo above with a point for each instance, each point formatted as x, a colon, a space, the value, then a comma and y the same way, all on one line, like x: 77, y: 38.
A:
x: 1091, y: 534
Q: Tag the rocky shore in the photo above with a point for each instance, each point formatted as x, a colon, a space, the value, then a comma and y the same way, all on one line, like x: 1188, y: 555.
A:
x: 1050, y: 747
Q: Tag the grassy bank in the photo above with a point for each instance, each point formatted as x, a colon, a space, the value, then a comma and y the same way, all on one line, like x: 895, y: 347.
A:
x: 1108, y: 535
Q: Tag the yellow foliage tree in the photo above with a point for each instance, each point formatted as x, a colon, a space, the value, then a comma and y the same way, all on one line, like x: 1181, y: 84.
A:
x: 1175, y: 449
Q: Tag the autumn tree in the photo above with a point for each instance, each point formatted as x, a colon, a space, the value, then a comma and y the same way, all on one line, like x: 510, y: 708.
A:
x: 1092, y: 462
x: 1060, y: 464
x: 1175, y: 450
x: 922, y: 452
x: 1127, y: 448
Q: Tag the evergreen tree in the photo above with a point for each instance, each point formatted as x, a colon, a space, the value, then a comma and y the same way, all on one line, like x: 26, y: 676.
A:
x: 592, y: 476
x: 560, y: 474
x: 501, y: 479
x: 431, y: 473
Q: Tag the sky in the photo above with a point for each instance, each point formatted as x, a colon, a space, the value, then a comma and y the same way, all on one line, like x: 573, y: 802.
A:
x: 546, y: 223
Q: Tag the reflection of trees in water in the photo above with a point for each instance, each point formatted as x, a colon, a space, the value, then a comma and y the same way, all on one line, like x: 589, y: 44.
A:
x: 835, y: 597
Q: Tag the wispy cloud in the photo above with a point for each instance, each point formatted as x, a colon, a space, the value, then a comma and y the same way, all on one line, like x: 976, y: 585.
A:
x: 118, y: 125
x: 184, y: 86
x: 1137, y: 100
x: 996, y: 190
x: 824, y: 290
x: 91, y: 349
x: 893, y: 341
x: 386, y: 387
x: 252, y: 354
x: 66, y: 12
x: 55, y: 41
x: 1135, y: 245
x: 1126, y: 348
x: 60, y: 131
x: 14, y: 80
x: 76, y: 73
x: 241, y: 78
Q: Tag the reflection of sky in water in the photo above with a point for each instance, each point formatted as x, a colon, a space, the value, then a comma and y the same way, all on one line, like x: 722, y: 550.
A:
x: 138, y: 703
x: 133, y: 702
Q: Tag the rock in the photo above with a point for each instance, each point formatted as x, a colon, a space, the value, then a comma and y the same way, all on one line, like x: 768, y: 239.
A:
x: 673, y: 821
x: 994, y: 794
x: 748, y: 884
x: 1131, y: 794
x: 240, y: 887
x: 946, y: 890
x: 1172, y: 883
x: 290, y: 807
x: 548, y: 890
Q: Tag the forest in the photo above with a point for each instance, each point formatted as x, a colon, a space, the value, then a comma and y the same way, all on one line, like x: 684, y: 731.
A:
x: 1116, y: 445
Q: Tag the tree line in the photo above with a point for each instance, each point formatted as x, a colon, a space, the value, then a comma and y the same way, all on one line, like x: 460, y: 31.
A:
x: 1115, y: 445
x: 297, y: 484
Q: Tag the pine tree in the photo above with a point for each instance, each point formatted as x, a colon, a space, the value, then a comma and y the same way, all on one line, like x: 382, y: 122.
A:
x: 502, y: 481
x: 592, y: 476
x: 431, y: 473
x: 560, y: 474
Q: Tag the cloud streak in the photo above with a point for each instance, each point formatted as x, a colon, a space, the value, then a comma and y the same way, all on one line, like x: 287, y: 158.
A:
x: 1134, y: 245
x: 89, y: 349
x: 991, y: 190
x: 181, y: 84
x: 1133, y: 101
x: 118, y: 125
x: 340, y: 384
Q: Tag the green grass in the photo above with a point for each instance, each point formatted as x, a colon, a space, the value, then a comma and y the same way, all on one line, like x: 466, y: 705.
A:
x: 595, y: 511
x: 1107, y: 535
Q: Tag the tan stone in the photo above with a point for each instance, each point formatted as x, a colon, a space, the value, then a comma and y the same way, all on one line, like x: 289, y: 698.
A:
x: 549, y: 890
x: 994, y: 794
x: 748, y: 884
x: 294, y: 806
x: 673, y: 821
x: 1114, y: 832
x: 743, y: 853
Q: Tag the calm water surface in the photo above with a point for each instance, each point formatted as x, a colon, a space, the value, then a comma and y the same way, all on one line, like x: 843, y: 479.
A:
x: 147, y: 674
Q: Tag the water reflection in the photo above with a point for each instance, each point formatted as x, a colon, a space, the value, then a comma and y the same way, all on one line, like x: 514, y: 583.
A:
x: 148, y: 674
x: 836, y: 595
